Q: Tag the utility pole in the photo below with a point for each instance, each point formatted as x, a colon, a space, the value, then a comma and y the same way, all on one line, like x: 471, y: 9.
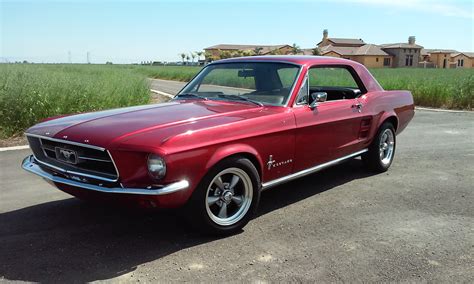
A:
x: 88, y: 58
x: 69, y: 57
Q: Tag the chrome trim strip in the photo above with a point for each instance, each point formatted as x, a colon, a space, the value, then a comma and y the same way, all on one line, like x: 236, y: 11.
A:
x: 29, y: 165
x: 66, y: 142
x: 115, y: 166
x: 314, y: 169
x: 94, y: 159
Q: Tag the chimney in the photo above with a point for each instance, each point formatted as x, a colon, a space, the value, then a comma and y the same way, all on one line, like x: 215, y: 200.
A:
x: 325, y: 34
x: 411, y: 40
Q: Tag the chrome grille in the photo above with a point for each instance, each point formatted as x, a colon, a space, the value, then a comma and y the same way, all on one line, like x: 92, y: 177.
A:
x: 74, y: 158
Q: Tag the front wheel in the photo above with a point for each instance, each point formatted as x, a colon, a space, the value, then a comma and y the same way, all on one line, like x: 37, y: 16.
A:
x: 227, y: 197
x: 382, y: 150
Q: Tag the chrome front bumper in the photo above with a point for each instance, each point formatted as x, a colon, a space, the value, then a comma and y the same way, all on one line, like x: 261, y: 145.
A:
x: 29, y: 164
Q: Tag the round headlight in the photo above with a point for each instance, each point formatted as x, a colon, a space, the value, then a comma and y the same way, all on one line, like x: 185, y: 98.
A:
x: 156, y: 166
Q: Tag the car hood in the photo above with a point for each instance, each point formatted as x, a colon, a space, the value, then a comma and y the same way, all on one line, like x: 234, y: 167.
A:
x: 104, y: 128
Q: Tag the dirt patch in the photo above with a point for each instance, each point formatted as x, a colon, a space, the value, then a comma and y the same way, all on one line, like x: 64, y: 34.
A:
x: 13, y: 141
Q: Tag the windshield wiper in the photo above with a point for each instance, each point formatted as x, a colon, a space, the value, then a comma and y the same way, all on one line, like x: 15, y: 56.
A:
x: 240, y: 98
x: 189, y: 95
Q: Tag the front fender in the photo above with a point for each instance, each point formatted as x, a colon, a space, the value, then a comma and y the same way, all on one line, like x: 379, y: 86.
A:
x: 233, y: 149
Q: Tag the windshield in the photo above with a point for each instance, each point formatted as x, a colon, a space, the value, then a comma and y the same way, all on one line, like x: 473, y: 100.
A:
x: 262, y: 83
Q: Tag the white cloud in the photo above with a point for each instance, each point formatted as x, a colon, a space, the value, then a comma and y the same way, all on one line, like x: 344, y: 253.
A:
x: 450, y: 9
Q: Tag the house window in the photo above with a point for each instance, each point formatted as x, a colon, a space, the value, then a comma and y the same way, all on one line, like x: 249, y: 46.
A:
x: 376, y: 59
x: 404, y: 50
x: 409, y: 60
x: 460, y: 62
x: 386, y: 62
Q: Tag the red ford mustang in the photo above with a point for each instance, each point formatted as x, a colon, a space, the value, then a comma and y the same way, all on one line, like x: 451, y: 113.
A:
x: 240, y: 126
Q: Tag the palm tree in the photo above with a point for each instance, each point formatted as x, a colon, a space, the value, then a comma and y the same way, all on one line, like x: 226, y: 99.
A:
x: 193, y: 56
x: 258, y: 50
x: 295, y: 49
x: 199, y: 54
x: 187, y: 58
x: 183, y: 56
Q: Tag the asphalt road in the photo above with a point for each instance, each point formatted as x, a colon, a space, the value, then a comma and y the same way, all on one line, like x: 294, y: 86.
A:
x: 169, y: 87
x: 413, y: 223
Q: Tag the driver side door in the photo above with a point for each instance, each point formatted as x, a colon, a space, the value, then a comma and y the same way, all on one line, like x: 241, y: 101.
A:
x: 331, y: 129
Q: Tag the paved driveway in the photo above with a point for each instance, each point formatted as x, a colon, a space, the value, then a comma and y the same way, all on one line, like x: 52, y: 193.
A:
x: 413, y: 223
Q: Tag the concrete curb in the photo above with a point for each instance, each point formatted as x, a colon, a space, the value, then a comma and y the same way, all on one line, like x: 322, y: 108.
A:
x: 443, y: 110
x: 14, y: 148
x: 162, y: 93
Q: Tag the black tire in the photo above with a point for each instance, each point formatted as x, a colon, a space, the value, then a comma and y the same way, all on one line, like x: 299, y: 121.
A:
x: 206, y: 217
x: 373, y: 159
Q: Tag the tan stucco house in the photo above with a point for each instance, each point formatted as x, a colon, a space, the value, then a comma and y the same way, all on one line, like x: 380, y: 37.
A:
x: 447, y: 58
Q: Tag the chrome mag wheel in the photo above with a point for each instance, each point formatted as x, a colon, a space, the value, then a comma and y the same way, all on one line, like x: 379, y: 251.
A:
x: 386, y: 146
x: 229, y: 196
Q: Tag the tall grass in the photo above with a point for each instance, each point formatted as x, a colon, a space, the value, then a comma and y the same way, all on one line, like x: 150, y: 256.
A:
x: 176, y: 73
x: 29, y: 93
x: 446, y: 88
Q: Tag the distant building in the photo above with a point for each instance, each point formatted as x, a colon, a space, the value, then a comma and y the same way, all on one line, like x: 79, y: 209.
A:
x: 369, y: 55
x: 447, y: 58
x: 404, y: 54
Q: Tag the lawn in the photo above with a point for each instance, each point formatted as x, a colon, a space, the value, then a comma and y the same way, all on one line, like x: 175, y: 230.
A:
x: 31, y: 92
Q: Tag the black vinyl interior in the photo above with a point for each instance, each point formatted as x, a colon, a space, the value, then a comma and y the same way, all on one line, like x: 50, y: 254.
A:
x: 336, y: 93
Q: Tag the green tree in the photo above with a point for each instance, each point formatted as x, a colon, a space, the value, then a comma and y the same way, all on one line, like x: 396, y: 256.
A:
x: 275, y: 51
x: 193, y: 56
x: 295, y: 49
x: 316, y: 51
x: 248, y: 53
x: 258, y: 50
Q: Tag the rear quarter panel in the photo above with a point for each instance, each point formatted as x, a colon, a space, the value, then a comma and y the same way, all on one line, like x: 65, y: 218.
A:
x: 385, y: 104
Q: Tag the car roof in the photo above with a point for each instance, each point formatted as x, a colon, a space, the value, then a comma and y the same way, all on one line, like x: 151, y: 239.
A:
x: 295, y: 59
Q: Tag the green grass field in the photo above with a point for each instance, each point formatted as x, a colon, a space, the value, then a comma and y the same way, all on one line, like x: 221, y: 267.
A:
x: 31, y: 92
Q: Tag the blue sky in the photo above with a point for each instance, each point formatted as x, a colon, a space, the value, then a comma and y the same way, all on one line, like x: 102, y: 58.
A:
x: 133, y: 31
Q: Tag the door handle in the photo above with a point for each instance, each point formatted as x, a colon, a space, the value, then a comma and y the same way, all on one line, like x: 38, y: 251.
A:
x: 357, y: 106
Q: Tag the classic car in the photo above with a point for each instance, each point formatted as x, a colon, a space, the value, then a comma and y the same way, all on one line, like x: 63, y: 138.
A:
x: 240, y: 126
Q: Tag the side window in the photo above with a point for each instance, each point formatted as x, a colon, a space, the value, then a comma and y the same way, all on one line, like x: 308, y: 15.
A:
x: 338, y: 82
x: 302, y: 97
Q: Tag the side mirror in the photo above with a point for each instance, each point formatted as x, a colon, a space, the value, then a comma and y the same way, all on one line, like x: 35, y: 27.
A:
x: 317, y: 97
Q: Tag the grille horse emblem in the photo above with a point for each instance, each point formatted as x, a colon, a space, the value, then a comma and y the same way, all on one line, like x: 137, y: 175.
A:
x: 66, y: 155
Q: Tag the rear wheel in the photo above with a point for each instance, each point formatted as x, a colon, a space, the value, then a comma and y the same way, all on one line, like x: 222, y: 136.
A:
x: 227, y: 197
x: 382, y: 150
